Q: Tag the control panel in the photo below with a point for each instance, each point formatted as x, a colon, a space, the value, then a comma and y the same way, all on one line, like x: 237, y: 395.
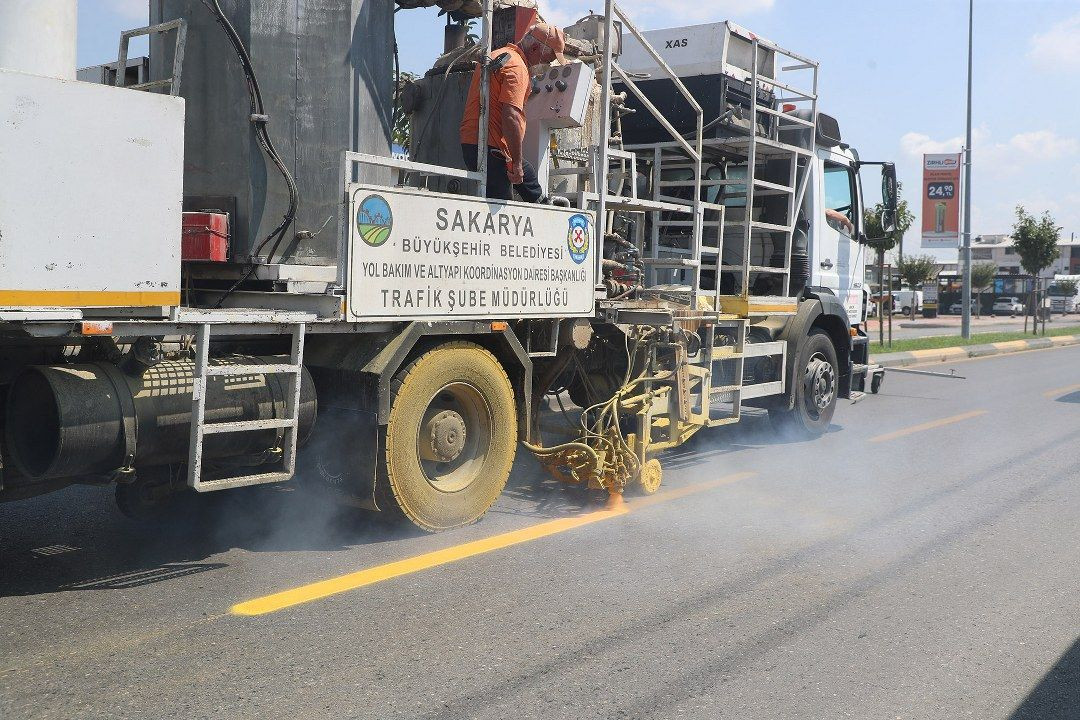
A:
x: 559, y: 99
x: 560, y: 96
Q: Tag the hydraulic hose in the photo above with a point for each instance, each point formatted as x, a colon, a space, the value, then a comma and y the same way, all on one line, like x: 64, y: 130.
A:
x: 260, y: 120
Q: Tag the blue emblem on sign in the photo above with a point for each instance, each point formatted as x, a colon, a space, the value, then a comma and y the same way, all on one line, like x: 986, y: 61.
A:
x: 577, y: 239
x: 374, y: 220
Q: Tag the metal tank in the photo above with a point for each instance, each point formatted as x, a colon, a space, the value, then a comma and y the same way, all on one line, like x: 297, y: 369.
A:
x: 436, y: 104
x: 38, y: 37
x: 326, y: 72
x: 71, y: 420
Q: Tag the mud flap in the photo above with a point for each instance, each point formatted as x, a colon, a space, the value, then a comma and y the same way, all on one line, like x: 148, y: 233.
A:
x: 343, y: 454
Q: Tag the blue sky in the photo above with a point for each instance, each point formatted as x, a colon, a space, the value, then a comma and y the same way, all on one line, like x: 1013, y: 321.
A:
x: 892, y: 73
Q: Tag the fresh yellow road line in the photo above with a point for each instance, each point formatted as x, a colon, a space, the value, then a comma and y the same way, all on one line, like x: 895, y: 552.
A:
x: 379, y: 573
x: 681, y: 492
x: 927, y: 426
x: 1058, y: 392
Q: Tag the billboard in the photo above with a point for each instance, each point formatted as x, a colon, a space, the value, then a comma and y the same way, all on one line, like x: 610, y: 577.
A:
x: 941, y: 200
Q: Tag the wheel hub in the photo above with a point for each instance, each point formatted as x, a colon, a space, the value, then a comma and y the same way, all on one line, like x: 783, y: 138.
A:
x: 820, y: 383
x: 446, y: 433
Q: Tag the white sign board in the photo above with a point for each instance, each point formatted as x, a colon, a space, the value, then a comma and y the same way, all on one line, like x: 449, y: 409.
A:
x: 417, y: 255
x: 930, y: 294
x: 91, y: 193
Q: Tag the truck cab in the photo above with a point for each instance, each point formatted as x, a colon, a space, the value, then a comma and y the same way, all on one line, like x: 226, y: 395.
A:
x: 837, y: 257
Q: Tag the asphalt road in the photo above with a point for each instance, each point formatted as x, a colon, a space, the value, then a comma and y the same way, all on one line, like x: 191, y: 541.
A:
x: 919, y: 561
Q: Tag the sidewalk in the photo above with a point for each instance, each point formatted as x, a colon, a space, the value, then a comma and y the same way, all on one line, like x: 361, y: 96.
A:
x: 906, y: 329
x: 912, y: 357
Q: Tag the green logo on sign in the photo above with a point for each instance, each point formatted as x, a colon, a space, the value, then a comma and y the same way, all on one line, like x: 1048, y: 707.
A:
x: 374, y: 220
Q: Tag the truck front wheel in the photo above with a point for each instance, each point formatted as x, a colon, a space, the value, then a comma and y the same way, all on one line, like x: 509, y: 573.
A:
x: 816, y: 380
x: 450, y: 439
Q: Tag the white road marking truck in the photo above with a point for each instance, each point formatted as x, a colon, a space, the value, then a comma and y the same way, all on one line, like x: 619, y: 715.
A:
x: 1064, y: 293
x: 214, y: 274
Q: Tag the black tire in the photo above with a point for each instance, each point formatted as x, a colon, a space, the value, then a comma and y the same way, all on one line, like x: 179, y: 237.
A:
x: 875, y: 383
x: 455, y: 405
x: 816, y: 379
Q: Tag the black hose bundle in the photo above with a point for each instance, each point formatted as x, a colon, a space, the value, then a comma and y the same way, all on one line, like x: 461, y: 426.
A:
x: 259, y: 119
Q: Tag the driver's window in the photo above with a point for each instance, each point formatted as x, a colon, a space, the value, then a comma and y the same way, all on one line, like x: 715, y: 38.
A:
x: 839, y: 198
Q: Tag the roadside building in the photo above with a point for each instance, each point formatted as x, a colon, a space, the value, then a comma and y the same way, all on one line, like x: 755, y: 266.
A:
x: 1001, y: 250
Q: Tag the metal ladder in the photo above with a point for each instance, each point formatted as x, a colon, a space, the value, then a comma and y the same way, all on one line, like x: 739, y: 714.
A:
x: 676, y: 257
x: 200, y: 428
x: 695, y: 391
x: 759, y: 148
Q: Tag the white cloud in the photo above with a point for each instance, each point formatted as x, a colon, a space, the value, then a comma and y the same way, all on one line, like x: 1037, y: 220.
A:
x: 1059, y: 47
x: 1030, y: 168
x: 1043, y: 145
x: 916, y: 144
x: 648, y: 14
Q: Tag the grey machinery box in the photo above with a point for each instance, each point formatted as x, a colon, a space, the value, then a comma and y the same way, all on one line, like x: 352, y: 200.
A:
x: 326, y: 73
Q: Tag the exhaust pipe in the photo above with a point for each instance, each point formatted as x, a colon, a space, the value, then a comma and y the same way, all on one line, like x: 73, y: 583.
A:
x: 85, y: 419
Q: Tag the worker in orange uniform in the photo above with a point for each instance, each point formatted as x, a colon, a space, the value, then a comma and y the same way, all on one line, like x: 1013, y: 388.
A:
x: 509, y: 89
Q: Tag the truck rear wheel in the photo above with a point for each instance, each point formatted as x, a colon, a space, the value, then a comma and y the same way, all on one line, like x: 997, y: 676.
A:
x: 450, y: 439
x: 816, y: 381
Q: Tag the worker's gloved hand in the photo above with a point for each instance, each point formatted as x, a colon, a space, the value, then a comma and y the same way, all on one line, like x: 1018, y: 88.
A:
x: 515, y: 171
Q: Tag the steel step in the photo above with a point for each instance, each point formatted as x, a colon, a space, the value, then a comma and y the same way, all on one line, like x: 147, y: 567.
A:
x: 248, y: 426
x: 242, y: 481
x: 242, y: 370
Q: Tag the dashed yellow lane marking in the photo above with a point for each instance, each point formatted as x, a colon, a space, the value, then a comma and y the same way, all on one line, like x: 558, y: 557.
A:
x: 927, y: 426
x: 1058, y: 392
x: 379, y: 573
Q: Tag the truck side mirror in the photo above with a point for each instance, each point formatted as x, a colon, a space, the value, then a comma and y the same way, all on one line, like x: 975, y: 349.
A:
x: 888, y: 197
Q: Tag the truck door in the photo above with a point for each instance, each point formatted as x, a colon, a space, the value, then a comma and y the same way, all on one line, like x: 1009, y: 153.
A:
x: 838, y: 257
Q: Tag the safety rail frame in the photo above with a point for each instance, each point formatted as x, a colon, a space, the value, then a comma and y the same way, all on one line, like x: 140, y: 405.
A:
x: 611, y: 12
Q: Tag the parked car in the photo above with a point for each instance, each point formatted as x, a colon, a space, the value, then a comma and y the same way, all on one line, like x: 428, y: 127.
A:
x: 896, y: 301
x: 1007, y: 306
x: 958, y: 307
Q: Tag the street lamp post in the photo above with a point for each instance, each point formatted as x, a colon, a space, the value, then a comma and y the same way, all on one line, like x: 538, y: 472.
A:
x: 965, y: 323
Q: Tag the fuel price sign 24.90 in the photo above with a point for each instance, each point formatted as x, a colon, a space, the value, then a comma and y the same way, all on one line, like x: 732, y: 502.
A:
x: 941, y: 190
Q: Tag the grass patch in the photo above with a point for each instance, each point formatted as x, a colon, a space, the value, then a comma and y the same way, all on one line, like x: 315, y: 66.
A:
x: 946, y: 341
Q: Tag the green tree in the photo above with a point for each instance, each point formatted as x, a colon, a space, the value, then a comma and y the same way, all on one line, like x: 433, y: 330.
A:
x: 400, y: 131
x: 917, y: 270
x: 882, y: 241
x: 982, y: 277
x: 1036, y: 244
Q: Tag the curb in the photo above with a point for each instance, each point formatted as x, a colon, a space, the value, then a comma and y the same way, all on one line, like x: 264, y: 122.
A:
x: 913, y: 357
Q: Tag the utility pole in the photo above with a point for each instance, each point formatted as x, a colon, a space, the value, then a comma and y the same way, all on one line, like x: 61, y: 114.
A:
x: 965, y: 322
